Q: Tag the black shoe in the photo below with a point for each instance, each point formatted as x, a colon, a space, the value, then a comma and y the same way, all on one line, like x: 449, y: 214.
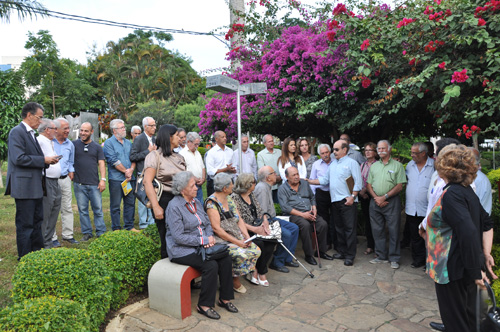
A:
x: 417, y: 265
x: 323, y: 255
x: 292, y: 264
x: 195, y: 285
x: 338, y: 256
x: 437, y: 326
x: 404, y: 244
x: 210, y: 313
x: 86, y: 237
x: 310, y: 260
x: 72, y: 241
x: 348, y: 262
x: 279, y: 268
x: 229, y: 306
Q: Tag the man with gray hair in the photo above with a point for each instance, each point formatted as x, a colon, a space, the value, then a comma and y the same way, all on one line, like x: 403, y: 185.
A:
x: 418, y: 172
x: 194, y: 162
x: 482, y: 185
x: 385, y: 182
x: 66, y: 149
x: 120, y: 169
x: 353, y: 154
x: 134, y: 132
x: 52, y: 199
x: 269, y: 157
x: 220, y: 157
x: 182, y: 139
x: 247, y: 156
x: 289, y: 231
x: 141, y: 147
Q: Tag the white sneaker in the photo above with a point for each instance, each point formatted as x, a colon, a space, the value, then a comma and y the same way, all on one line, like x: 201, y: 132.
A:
x: 378, y: 261
x: 395, y: 265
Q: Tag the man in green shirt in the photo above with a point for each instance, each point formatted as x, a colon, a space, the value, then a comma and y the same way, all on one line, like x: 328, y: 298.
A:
x: 269, y: 157
x: 385, y: 182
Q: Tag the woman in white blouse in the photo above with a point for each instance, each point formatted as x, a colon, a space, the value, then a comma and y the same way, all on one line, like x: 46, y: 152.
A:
x: 290, y: 157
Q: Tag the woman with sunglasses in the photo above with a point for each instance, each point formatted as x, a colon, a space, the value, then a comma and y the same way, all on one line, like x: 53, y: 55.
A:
x: 188, y: 228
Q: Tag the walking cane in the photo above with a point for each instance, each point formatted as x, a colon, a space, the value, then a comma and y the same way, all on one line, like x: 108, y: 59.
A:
x: 317, y: 245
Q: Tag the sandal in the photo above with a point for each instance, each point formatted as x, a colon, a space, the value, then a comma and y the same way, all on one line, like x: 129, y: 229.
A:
x: 252, y: 279
x: 368, y: 251
x: 210, y: 313
x: 264, y: 283
x: 240, y: 289
x: 228, y: 305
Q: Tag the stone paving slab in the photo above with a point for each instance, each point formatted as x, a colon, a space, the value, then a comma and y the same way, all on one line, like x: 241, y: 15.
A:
x: 365, y: 297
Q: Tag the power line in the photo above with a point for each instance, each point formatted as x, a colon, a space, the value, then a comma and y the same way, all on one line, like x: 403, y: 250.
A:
x: 84, y: 19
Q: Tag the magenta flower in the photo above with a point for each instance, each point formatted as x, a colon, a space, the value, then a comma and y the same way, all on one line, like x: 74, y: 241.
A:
x: 459, y: 76
x: 442, y: 65
x: 365, y: 44
x: 405, y: 22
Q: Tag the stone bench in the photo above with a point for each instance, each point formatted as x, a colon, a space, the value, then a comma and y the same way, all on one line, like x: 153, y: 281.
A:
x: 169, y: 286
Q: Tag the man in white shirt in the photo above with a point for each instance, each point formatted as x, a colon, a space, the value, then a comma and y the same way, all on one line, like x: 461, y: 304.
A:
x: 182, y: 139
x: 269, y: 157
x: 220, y: 157
x: 248, y: 158
x: 52, y: 201
x: 194, y: 162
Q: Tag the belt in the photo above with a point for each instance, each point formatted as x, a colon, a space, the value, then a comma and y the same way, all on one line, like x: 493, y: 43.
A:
x: 63, y: 176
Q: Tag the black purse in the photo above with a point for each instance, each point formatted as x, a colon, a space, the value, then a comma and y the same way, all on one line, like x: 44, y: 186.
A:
x: 491, y: 321
x: 213, y: 253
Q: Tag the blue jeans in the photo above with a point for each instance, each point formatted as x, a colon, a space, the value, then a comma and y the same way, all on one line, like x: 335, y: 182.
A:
x: 85, y: 194
x: 199, y: 194
x: 146, y: 217
x: 115, y: 198
x: 289, y: 236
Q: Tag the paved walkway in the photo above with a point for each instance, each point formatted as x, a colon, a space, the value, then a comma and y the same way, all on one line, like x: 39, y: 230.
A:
x: 364, y: 297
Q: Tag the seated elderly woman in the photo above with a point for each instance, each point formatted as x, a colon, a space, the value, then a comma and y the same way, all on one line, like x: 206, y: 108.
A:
x: 188, y: 228
x: 231, y: 229
x: 250, y: 211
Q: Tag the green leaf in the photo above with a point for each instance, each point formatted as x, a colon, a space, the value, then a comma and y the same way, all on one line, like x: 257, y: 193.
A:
x: 366, y: 71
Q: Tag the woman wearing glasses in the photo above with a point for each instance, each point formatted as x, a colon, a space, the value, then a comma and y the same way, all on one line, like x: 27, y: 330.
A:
x: 188, y: 229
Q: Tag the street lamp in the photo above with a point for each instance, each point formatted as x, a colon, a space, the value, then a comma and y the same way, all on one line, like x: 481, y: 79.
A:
x: 224, y: 84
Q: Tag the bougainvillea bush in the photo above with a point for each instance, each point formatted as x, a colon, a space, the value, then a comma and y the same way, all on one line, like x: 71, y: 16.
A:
x: 422, y: 67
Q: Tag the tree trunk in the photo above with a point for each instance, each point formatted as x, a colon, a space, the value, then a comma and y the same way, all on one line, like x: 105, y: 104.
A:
x: 236, y: 7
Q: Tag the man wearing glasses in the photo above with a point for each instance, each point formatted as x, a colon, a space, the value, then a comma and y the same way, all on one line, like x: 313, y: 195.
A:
x: 142, y: 146
x: 26, y: 164
x: 194, y: 162
x: 120, y: 168
x: 385, y: 182
x: 89, y: 158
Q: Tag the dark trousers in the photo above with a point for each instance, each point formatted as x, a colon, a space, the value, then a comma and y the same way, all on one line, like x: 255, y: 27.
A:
x: 365, y: 207
x: 210, y: 186
x: 161, y: 225
x: 275, y: 196
x: 457, y: 305
x: 418, y: 252
x: 267, y: 250
x: 324, y: 206
x: 209, y: 271
x: 306, y: 230
x: 51, y: 209
x: 345, y: 217
x: 29, y: 219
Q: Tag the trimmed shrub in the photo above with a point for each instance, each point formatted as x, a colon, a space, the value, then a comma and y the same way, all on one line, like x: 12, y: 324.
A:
x: 131, y: 255
x: 152, y: 232
x: 68, y: 274
x: 46, y: 313
x: 494, y: 177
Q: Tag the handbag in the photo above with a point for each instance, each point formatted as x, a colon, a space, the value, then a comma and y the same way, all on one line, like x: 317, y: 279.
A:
x: 491, y: 321
x: 213, y: 253
x: 274, y: 227
x: 140, y: 192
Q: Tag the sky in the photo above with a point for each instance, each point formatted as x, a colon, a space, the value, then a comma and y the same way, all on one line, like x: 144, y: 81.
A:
x: 75, y: 39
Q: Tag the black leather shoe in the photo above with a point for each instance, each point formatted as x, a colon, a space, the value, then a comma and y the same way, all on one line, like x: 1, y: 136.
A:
x: 437, y: 326
x: 415, y: 265
x: 338, y: 256
x: 311, y: 260
x: 323, y: 255
x: 292, y: 264
x: 348, y: 262
x: 283, y: 269
x: 228, y: 305
x: 210, y: 313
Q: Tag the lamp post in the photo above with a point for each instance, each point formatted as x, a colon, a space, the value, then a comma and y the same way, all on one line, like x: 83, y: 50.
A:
x: 224, y: 84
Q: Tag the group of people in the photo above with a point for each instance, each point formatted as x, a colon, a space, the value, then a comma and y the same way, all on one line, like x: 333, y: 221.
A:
x: 448, y: 227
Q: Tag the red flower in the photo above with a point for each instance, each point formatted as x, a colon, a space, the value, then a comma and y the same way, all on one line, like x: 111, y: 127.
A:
x: 465, y: 128
x: 458, y: 132
x: 340, y: 9
x: 475, y: 128
x: 442, y: 65
x: 331, y: 36
x: 412, y: 62
x: 428, y: 10
x: 333, y: 24
x: 485, y: 82
x: 405, y: 22
x: 459, y: 76
x: 398, y: 80
x: 481, y: 22
x: 365, y: 44
x: 468, y: 135
x: 366, y: 82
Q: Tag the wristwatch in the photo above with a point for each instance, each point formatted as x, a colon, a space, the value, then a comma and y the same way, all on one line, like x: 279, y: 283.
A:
x: 386, y: 196
x: 103, y: 179
x: 353, y: 196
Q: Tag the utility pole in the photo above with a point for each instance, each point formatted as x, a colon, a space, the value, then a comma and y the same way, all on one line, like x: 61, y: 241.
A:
x: 236, y: 11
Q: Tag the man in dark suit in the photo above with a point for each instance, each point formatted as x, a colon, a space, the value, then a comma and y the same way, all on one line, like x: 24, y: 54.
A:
x: 141, y: 147
x: 24, y: 179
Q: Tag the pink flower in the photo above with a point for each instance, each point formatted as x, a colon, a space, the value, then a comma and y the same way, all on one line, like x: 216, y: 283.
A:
x: 481, y: 22
x: 437, y: 1
x: 340, y: 9
x: 365, y: 44
x: 331, y: 36
x: 405, y: 22
x: 404, y: 52
x: 366, y: 82
x: 333, y: 24
x: 398, y: 80
x: 442, y: 65
x: 459, y: 76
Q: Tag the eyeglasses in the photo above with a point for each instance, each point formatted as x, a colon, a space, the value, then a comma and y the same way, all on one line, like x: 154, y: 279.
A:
x: 272, y: 173
x: 336, y: 149
x: 415, y: 153
x: 86, y: 148
x: 120, y: 128
x: 53, y: 128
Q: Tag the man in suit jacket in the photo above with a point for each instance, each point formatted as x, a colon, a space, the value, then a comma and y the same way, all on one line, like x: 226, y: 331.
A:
x: 141, y: 147
x: 24, y: 179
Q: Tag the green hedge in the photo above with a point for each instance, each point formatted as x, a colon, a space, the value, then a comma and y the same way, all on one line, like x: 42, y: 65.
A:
x: 46, y: 313
x: 130, y: 255
x: 68, y: 274
x: 494, y: 177
x: 152, y: 232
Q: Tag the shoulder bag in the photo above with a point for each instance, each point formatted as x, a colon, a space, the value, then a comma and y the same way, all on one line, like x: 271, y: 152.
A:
x: 140, y: 192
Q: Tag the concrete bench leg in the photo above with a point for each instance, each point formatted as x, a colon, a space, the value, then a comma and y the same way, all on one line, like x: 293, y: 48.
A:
x: 169, y: 286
